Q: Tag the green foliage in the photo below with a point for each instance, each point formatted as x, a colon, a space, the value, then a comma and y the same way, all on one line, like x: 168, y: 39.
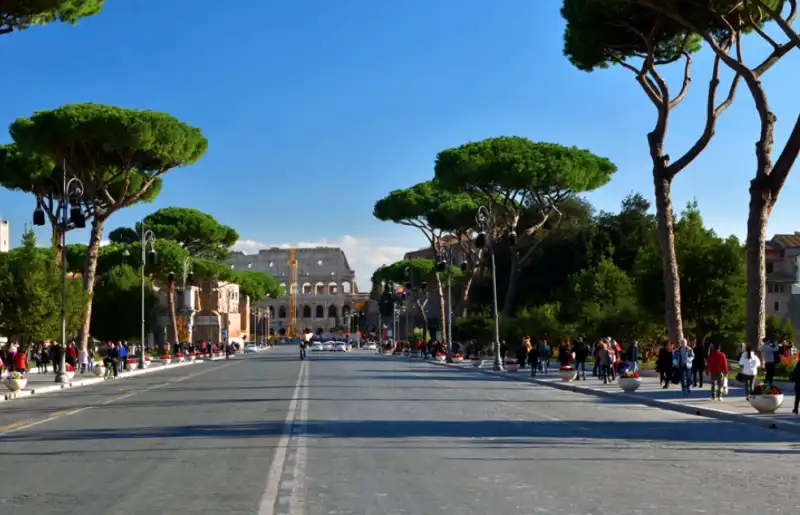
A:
x: 477, y: 326
x: 419, y: 270
x: 20, y: 15
x: 123, y: 235
x: 116, y: 311
x: 417, y: 334
x: 515, y: 169
x: 425, y: 206
x: 256, y: 285
x: 30, y: 294
x: 778, y: 329
x: 119, y: 154
x: 198, y: 233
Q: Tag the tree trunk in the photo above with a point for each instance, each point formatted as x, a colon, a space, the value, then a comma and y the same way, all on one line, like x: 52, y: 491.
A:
x: 421, y: 306
x: 755, y: 243
x: 511, y: 288
x: 669, y: 259
x: 442, y: 309
x: 89, y: 274
x: 461, y: 307
x: 57, y: 240
x: 173, y: 318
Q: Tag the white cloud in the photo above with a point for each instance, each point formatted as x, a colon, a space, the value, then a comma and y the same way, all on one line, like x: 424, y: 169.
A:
x: 364, y: 255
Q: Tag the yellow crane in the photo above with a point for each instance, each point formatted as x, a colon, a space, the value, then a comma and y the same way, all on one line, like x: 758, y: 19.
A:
x: 291, y: 318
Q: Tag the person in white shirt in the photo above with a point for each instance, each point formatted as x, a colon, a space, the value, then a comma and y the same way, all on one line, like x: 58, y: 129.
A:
x: 770, y: 353
x: 83, y: 359
x: 749, y: 363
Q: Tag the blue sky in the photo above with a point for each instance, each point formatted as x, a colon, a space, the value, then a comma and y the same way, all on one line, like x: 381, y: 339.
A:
x: 314, y: 109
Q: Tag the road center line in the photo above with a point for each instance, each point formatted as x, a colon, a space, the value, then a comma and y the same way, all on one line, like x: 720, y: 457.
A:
x: 297, y: 499
x: 267, y: 504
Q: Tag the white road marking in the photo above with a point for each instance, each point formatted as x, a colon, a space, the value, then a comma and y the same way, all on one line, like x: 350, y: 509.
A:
x: 297, y: 500
x: 45, y: 420
x: 267, y: 504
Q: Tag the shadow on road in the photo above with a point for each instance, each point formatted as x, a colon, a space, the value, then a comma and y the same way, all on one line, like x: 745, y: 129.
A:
x: 697, y: 431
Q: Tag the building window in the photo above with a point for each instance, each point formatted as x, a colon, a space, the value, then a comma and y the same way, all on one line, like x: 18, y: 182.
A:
x: 770, y: 268
x: 777, y: 307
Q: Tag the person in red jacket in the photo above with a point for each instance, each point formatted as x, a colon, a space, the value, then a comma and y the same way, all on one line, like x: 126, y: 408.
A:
x: 717, y: 370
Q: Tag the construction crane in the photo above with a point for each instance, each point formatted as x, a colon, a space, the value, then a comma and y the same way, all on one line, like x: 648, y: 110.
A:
x: 291, y: 318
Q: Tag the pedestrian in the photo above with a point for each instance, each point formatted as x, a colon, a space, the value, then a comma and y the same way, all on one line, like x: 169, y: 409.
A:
x: 122, y: 352
x: 682, y: 360
x: 604, y: 362
x: 795, y: 378
x: 698, y: 363
x: 533, y: 358
x: 771, y: 356
x: 83, y: 359
x: 749, y: 363
x: 545, y: 354
x: 581, y: 352
x: 717, y: 371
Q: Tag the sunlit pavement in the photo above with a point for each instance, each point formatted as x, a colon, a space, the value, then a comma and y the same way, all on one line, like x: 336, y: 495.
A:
x: 359, y: 433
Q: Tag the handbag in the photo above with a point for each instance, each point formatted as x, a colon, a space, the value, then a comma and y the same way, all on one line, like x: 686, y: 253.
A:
x: 740, y: 377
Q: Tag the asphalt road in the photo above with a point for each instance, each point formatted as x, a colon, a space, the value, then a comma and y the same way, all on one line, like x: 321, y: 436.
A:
x: 362, y: 434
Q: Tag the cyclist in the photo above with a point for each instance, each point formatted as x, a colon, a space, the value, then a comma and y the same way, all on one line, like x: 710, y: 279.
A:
x: 306, y: 341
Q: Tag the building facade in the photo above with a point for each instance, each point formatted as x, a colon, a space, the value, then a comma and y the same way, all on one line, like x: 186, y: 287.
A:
x: 326, y: 293
x: 5, y: 235
x: 783, y: 278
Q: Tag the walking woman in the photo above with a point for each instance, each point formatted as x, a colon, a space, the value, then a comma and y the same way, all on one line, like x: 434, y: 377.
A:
x: 749, y: 363
x: 664, y: 365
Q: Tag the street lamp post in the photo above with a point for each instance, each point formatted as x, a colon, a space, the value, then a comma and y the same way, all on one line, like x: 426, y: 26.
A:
x: 148, y: 240
x: 70, y: 215
x: 443, y: 265
x: 486, y: 224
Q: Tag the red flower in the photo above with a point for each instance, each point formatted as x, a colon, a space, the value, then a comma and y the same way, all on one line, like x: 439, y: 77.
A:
x: 166, y: 356
x: 476, y: 358
x: 511, y: 362
x: 566, y: 367
x: 70, y: 368
x: 179, y: 355
x: 456, y: 355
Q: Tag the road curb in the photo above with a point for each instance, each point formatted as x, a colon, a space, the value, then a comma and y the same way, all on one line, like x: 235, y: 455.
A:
x: 756, y: 420
x: 24, y: 394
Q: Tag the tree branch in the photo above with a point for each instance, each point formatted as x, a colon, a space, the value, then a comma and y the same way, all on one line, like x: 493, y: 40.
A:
x: 687, y: 79
x: 712, y: 114
x: 785, y: 26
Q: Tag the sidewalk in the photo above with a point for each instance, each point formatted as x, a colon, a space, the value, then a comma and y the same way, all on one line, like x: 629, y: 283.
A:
x: 45, y: 383
x: 734, y: 407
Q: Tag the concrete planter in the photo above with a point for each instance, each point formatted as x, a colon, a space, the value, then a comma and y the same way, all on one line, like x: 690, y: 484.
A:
x: 440, y: 357
x: 99, y: 371
x: 166, y: 361
x: 512, y: 367
x: 630, y: 384
x: 192, y: 357
x: 147, y: 363
x: 477, y: 363
x: 70, y: 375
x: 766, y: 403
x: 567, y: 375
x: 15, y: 385
x: 458, y: 359
x: 180, y: 359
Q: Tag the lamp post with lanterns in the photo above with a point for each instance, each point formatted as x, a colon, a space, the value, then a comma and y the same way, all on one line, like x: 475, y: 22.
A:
x: 443, y: 264
x: 486, y: 225
x: 69, y: 216
x: 148, y: 242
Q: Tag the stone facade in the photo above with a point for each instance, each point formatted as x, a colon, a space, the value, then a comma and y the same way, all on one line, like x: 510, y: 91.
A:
x: 326, y: 291
x: 783, y: 278
x: 5, y: 236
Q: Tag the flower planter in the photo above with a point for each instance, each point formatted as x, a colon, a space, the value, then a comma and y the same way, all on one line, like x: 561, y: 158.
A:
x: 192, y: 357
x: 15, y: 385
x: 70, y: 375
x: 458, y: 359
x: 512, y: 367
x: 630, y: 384
x: 440, y: 357
x: 766, y: 403
x: 477, y: 363
x: 166, y: 361
x: 567, y: 375
x: 99, y: 371
x: 180, y: 359
x: 146, y: 363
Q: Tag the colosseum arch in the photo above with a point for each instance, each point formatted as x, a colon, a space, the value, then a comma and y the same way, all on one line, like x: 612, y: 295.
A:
x: 319, y: 288
x: 306, y: 311
x: 307, y: 288
x: 332, y: 311
x: 333, y: 288
x: 320, y: 312
x: 282, y: 312
x: 346, y: 287
x: 271, y: 311
x: 345, y: 310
